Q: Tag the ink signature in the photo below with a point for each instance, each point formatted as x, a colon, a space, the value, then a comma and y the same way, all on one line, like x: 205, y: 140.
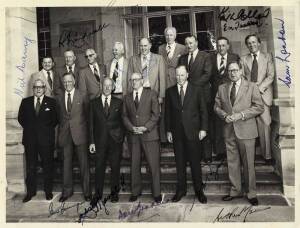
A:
x: 238, y: 212
x: 78, y: 39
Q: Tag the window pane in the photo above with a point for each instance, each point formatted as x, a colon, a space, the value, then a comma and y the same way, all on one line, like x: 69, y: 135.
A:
x: 157, y: 26
x: 181, y: 22
x: 134, y: 34
x: 156, y: 8
x: 206, y: 40
x: 180, y: 38
x: 156, y: 42
x: 205, y: 21
x: 179, y: 7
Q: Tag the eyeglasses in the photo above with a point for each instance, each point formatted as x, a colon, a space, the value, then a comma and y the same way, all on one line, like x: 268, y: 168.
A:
x: 90, y: 55
x: 38, y: 87
x: 233, y: 71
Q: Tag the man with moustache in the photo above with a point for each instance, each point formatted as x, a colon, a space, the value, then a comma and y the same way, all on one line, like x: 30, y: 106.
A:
x: 38, y: 116
x: 186, y: 125
x: 106, y: 138
x: 219, y: 76
x: 237, y: 103
x: 199, y: 68
x: 73, y: 136
x: 258, y: 67
x: 91, y: 77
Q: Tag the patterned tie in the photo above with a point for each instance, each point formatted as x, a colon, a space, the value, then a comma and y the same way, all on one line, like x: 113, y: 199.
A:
x: 191, y: 62
x: 169, y: 51
x: 69, y: 103
x: 181, y: 95
x: 232, y: 93
x: 97, y: 76
x: 136, y: 100
x: 106, y: 107
x: 116, y: 72
x: 37, y: 106
x: 70, y: 69
x: 222, y: 66
x: 49, y: 79
x: 254, y: 69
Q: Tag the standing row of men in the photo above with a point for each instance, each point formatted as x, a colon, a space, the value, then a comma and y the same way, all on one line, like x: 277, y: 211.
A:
x: 141, y: 83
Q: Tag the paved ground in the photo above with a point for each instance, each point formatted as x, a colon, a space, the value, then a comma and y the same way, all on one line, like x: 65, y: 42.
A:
x: 272, y: 208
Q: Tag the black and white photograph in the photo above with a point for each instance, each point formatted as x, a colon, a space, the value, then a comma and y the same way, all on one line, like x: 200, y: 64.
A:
x: 153, y: 112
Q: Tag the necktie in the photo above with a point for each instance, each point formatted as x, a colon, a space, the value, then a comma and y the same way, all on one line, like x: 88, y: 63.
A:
x: 191, y: 62
x: 222, y: 66
x: 69, y: 103
x: 70, y: 69
x: 97, y: 76
x: 106, y: 106
x: 169, y: 51
x: 49, y: 79
x: 232, y: 93
x: 136, y: 100
x: 254, y: 69
x: 116, y: 72
x: 37, y: 106
x: 181, y: 93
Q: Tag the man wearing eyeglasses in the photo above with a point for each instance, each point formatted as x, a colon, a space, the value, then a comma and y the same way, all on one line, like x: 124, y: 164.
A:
x: 38, y: 116
x: 91, y: 77
x: 140, y: 117
x: 237, y: 103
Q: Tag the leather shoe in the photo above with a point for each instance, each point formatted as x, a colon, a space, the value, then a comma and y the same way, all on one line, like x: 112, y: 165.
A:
x: 114, y: 198
x: 201, y: 197
x: 177, y: 197
x: 88, y: 198
x: 49, y: 196
x: 157, y: 199
x: 95, y: 200
x: 134, y: 198
x: 28, y: 198
x: 229, y: 197
x: 253, y: 201
x: 63, y: 198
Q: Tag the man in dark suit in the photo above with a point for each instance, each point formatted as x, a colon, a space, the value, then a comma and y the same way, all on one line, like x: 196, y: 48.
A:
x: 186, y: 125
x: 106, y: 138
x: 69, y: 67
x: 73, y: 136
x: 199, y: 68
x: 140, y: 117
x: 219, y: 61
x: 91, y: 77
x: 238, y: 103
x: 38, y: 116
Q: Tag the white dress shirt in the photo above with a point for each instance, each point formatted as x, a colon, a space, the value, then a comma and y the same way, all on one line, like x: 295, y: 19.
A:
x: 140, y: 90
x: 237, y: 86
x: 103, y: 99
x: 219, y: 59
x: 66, y: 97
x: 35, y: 100
x: 118, y: 83
x: 92, y: 68
x: 184, y: 87
x: 72, y: 67
x: 194, y: 55
x: 257, y: 55
x: 172, y: 46
x: 46, y: 74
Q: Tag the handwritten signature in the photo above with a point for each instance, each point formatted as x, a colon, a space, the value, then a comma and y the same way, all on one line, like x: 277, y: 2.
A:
x: 78, y: 39
x: 284, y: 54
x: 238, y: 212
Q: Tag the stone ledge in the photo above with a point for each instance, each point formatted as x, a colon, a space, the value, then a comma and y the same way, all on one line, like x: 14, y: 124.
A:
x: 11, y: 115
x: 284, y: 102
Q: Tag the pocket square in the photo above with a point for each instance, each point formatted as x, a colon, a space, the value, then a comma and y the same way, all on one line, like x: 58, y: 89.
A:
x: 47, y: 109
x: 178, y: 56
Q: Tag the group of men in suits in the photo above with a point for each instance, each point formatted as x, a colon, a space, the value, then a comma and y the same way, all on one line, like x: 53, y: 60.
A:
x: 181, y: 95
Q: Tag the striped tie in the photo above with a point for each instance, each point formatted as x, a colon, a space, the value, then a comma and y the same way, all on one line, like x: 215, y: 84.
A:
x: 222, y: 66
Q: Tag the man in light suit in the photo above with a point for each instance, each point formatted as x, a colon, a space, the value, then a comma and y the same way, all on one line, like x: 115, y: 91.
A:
x: 91, y: 77
x: 70, y: 66
x: 73, y: 136
x: 219, y: 76
x: 48, y: 76
x: 259, y: 68
x: 117, y: 70
x: 171, y: 52
x: 140, y: 117
x: 186, y: 124
x: 106, y: 137
x: 199, y: 67
x: 38, y: 116
x: 238, y: 103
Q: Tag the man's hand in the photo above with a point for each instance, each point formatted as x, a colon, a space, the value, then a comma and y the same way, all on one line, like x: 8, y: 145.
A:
x: 169, y: 137
x: 142, y: 129
x: 92, y: 148
x: 137, y: 131
x: 202, y: 135
x: 236, y: 116
x: 160, y: 100
x: 228, y: 119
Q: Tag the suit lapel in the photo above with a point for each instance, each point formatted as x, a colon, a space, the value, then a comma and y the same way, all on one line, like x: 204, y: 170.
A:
x: 164, y: 51
x: 124, y: 75
x: 142, y: 100
x: 139, y: 63
x: 131, y: 102
x: 242, y: 90
x: 262, y: 63
x: 152, y: 64
x: 75, y: 101
x: 227, y: 93
x: 176, y: 96
x: 196, y: 60
x: 249, y: 61
x: 187, y: 95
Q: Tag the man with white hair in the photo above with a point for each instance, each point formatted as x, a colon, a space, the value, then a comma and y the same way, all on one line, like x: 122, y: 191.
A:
x: 117, y: 70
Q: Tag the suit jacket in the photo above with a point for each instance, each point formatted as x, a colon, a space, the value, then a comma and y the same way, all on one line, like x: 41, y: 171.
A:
x: 172, y: 63
x: 75, y: 122
x: 146, y: 115
x: 38, y: 128
x: 87, y: 82
x: 60, y: 72
x: 248, y: 101
x: 101, y: 126
x: 216, y: 78
x: 50, y: 92
x: 192, y: 115
x: 200, y: 72
x: 125, y: 77
x: 157, y: 72
x: 265, y: 75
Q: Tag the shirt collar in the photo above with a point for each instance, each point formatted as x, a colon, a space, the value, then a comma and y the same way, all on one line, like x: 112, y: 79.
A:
x: 92, y: 66
x: 237, y: 83
x: 45, y: 72
x: 195, y: 53
x: 108, y: 97
x: 71, y: 92
x: 72, y: 67
x: 257, y: 54
x: 148, y: 56
x: 220, y: 56
x: 41, y: 98
x: 171, y: 45
x: 184, y: 85
x: 140, y: 90
x: 119, y: 60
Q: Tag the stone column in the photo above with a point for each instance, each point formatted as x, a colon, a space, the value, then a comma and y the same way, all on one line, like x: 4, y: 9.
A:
x: 21, y: 62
